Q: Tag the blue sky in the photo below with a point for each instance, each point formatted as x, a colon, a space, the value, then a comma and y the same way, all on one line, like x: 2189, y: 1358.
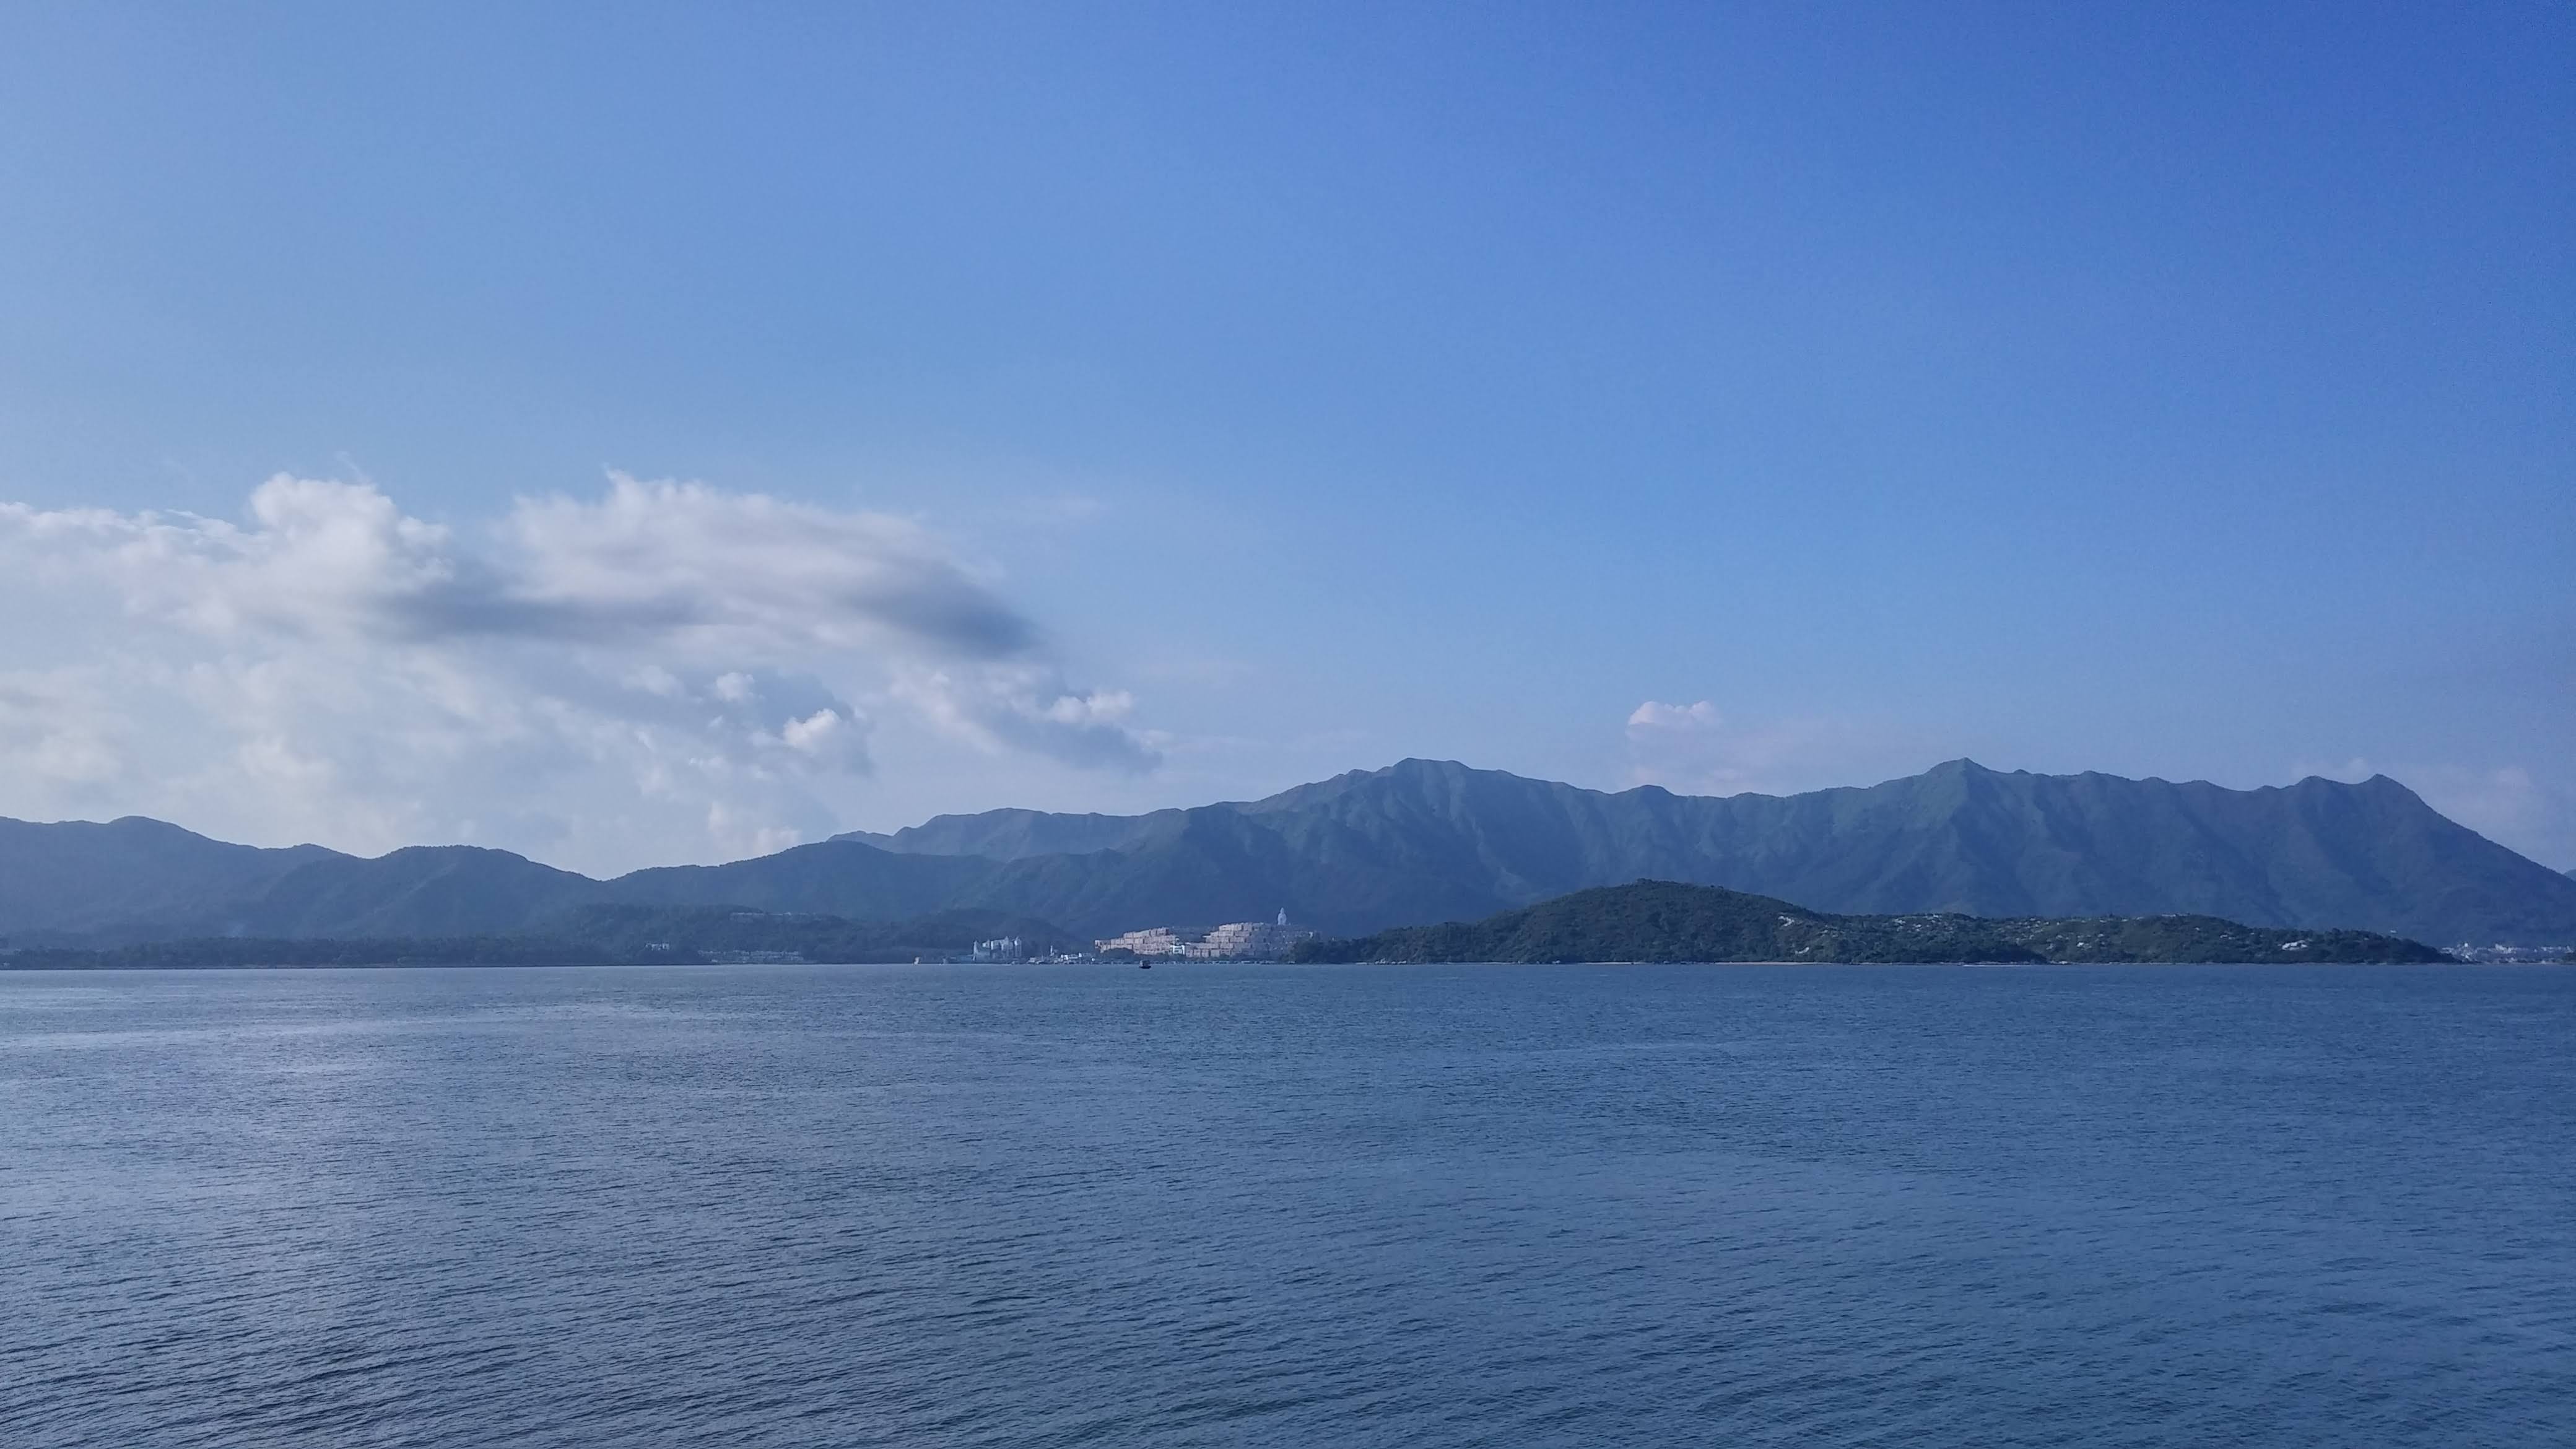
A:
x: 1131, y: 406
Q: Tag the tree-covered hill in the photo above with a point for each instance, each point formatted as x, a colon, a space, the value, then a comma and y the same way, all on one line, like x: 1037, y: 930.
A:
x: 1669, y: 921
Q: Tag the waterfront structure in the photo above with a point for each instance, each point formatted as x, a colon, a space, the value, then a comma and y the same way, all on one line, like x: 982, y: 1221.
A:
x: 1233, y: 941
x: 1249, y: 941
x: 1159, y: 941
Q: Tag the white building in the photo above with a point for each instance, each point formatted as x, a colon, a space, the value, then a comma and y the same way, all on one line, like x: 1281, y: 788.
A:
x: 1234, y: 941
x: 1249, y: 941
x: 1160, y: 941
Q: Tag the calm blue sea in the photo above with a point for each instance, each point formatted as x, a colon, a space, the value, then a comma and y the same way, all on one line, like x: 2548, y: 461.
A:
x: 1420, y: 1206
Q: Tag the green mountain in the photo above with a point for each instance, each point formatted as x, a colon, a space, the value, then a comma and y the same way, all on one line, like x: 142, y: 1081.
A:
x: 1427, y: 840
x: 80, y: 878
x: 421, y: 891
x: 1668, y: 921
x: 1016, y: 834
x: 1418, y: 841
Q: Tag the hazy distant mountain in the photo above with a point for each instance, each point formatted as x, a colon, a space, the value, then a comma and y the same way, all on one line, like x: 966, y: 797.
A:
x: 77, y: 878
x: 1415, y: 843
x: 422, y: 890
x: 1015, y: 834
x: 1425, y: 840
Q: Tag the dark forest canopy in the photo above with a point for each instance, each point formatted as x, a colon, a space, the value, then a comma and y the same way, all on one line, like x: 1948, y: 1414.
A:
x: 1667, y: 921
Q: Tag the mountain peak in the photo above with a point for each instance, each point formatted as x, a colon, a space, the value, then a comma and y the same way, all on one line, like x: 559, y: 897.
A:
x: 1417, y: 841
x: 2378, y: 784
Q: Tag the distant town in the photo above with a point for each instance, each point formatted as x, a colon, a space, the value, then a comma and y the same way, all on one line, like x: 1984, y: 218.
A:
x: 1234, y: 941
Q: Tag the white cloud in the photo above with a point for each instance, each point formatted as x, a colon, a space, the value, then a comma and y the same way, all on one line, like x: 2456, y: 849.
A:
x: 671, y: 565
x: 55, y: 726
x: 663, y: 671
x: 1655, y: 717
x: 999, y: 708
x: 1697, y: 749
x: 740, y: 574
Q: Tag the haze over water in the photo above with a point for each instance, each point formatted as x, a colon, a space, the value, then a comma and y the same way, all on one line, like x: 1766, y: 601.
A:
x: 1279, y: 1205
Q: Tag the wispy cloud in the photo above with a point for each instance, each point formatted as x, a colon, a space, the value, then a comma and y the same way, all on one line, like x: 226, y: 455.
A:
x: 670, y: 565
x: 1698, y: 749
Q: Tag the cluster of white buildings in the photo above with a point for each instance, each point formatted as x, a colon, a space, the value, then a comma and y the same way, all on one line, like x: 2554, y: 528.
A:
x: 2501, y: 955
x: 1234, y: 941
x: 1160, y: 941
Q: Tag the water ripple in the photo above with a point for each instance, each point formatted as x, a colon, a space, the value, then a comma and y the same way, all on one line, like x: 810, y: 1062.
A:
x: 1250, y: 1206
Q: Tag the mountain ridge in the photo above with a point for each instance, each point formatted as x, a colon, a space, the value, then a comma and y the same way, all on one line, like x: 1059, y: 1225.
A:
x: 79, y: 876
x: 1417, y: 841
x: 1956, y: 837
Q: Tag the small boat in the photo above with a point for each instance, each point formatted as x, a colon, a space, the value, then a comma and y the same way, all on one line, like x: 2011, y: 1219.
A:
x: 1144, y: 965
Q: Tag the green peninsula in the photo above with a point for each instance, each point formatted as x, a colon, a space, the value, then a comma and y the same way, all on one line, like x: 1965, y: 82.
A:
x: 1666, y: 921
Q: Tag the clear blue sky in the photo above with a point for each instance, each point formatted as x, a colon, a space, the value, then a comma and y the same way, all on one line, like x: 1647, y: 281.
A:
x: 2168, y: 390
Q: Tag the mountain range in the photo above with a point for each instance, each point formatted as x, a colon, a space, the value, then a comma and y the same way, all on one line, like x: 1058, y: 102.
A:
x: 1417, y: 842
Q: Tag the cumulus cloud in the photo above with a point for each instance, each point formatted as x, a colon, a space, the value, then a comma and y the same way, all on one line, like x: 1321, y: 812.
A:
x: 332, y: 666
x: 56, y: 727
x: 1030, y: 707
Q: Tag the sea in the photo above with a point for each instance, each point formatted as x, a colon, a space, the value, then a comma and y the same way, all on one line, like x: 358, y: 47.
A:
x: 1289, y: 1205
